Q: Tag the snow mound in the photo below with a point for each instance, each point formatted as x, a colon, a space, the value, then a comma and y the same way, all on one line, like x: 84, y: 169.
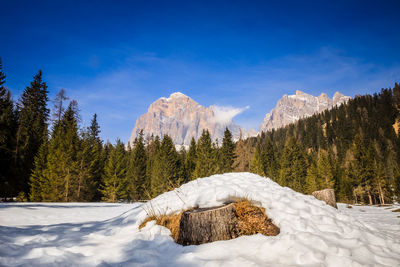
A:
x: 312, y: 233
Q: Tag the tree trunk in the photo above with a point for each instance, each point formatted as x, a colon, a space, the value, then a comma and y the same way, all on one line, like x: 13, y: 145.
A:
x: 326, y: 195
x: 207, y: 225
x: 369, y: 197
x: 381, y: 196
x: 355, y: 196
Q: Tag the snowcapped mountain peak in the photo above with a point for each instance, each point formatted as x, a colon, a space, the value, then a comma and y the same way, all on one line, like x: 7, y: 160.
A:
x: 182, y: 118
x: 294, y: 107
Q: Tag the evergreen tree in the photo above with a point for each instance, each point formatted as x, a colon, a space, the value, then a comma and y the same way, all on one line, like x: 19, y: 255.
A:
x: 153, y: 150
x: 114, y: 186
x: 32, y: 130
x: 205, y: 165
x: 256, y: 165
x: 312, y: 177
x: 269, y: 161
x: 63, y: 165
x: 190, y: 161
x: 97, y: 159
x: 294, y: 166
x: 326, y: 171
x: 8, y: 124
x: 166, y: 168
x: 227, y: 151
x: 136, y: 173
x: 39, y: 183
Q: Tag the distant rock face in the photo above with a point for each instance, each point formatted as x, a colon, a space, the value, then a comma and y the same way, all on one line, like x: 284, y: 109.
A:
x: 182, y: 118
x: 291, y: 108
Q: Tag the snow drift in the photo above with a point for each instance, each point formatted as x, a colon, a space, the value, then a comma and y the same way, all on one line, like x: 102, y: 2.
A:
x: 312, y: 233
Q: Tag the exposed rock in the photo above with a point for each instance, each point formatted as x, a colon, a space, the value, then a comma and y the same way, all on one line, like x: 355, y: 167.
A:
x: 182, y: 118
x: 326, y: 195
x: 291, y: 108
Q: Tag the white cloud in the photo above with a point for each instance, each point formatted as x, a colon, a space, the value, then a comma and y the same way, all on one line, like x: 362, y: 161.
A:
x: 225, y: 114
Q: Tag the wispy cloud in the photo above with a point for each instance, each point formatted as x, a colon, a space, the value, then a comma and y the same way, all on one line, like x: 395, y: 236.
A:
x: 225, y: 114
x: 122, y: 94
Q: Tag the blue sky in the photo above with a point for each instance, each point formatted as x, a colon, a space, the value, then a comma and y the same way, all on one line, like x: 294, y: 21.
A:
x: 117, y: 57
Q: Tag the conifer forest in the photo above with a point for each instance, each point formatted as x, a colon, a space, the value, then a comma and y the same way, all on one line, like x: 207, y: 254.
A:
x: 47, y: 155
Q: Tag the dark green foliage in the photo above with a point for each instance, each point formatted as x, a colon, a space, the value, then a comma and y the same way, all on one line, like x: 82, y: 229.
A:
x: 114, y: 184
x: 293, y: 166
x: 190, y: 161
x: 166, y: 168
x: 353, y: 148
x: 32, y: 129
x: 256, y: 165
x: 227, y: 152
x: 205, y: 165
x: 39, y: 182
x: 62, y: 163
x: 96, y: 157
x: 136, y: 174
x: 269, y: 160
x: 8, y: 127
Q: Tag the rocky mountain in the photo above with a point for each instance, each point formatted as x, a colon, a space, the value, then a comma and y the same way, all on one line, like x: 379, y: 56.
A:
x: 182, y: 118
x: 291, y: 108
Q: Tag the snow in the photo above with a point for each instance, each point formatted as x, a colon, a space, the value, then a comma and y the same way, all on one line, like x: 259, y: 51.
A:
x: 312, y: 233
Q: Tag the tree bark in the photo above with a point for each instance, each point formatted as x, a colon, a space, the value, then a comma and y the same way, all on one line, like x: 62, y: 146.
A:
x: 207, y: 225
x: 326, y: 195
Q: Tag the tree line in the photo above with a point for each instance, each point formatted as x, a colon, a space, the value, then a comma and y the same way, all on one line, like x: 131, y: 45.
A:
x: 49, y: 156
x: 353, y: 148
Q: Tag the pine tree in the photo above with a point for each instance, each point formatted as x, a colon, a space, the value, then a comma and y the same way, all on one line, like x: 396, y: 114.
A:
x: 39, y: 183
x: 86, y: 162
x: 165, y: 168
x: 205, y: 166
x: 136, y: 173
x: 114, y: 184
x: 32, y: 130
x: 227, y: 151
x: 256, y: 165
x: 153, y: 150
x: 269, y: 160
x: 97, y: 159
x: 312, y: 178
x: 326, y: 170
x: 8, y: 125
x: 190, y: 161
x: 294, y: 166
x: 63, y: 165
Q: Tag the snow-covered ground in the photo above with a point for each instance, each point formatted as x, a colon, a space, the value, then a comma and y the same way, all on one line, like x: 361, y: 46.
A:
x: 312, y: 233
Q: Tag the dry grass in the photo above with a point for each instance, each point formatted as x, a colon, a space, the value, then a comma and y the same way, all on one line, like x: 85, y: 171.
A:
x: 169, y: 221
x: 253, y: 220
x: 398, y: 210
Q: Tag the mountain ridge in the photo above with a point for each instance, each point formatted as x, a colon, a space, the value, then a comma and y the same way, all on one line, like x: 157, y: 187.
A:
x: 182, y: 118
x: 291, y: 108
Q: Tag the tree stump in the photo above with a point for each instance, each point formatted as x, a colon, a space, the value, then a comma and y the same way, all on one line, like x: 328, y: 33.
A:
x: 326, y: 195
x: 201, y: 226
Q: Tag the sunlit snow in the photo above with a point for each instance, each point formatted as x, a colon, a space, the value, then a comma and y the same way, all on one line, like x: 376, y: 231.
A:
x: 312, y: 233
